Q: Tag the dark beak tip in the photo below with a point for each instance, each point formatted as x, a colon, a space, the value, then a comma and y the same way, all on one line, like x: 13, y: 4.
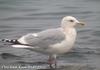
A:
x: 83, y: 24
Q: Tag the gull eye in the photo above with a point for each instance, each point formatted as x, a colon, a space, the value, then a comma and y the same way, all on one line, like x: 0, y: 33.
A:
x: 71, y: 20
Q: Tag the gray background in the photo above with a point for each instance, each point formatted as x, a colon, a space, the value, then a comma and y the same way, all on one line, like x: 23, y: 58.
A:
x: 19, y: 17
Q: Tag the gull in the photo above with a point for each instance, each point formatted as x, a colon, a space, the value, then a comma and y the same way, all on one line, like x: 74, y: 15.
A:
x: 52, y: 41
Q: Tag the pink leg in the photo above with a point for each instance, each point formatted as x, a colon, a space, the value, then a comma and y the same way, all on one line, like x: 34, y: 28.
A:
x: 52, y: 60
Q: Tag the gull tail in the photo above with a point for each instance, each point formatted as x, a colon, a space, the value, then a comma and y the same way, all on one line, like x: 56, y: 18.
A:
x: 13, y: 41
x: 21, y: 46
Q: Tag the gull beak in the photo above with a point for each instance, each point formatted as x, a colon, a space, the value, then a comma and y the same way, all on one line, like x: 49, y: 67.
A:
x: 81, y: 23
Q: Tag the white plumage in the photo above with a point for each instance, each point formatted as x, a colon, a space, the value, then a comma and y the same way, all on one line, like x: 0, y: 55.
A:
x: 52, y: 41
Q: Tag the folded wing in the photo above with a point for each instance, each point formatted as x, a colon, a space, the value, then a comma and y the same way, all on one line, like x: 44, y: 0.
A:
x: 44, y: 38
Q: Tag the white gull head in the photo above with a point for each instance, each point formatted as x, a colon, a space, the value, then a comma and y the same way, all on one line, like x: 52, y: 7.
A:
x: 70, y: 21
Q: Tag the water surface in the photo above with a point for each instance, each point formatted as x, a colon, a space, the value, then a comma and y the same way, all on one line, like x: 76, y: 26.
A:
x: 19, y: 17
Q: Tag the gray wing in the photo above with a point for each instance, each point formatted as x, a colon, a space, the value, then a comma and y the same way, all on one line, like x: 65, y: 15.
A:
x: 45, y: 38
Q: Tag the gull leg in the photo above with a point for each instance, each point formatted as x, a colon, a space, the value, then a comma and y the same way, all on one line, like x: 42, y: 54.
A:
x: 52, y: 60
x: 55, y: 61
